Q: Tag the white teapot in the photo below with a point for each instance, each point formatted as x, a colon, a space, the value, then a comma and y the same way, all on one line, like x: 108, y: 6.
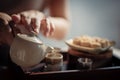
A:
x: 27, y: 50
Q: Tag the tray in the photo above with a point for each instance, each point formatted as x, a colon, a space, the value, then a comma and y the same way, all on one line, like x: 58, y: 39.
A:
x: 110, y: 70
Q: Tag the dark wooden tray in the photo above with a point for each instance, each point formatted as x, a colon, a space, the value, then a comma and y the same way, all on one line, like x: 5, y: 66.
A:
x: 109, y: 70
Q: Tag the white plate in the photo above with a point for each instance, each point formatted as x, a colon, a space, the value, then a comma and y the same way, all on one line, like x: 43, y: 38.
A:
x: 87, y: 49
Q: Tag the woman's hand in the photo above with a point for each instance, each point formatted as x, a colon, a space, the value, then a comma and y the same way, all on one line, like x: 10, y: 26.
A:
x: 33, y: 20
x: 5, y: 30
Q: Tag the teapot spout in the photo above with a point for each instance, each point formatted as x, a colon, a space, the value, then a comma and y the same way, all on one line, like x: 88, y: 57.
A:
x: 52, y: 49
x: 49, y: 49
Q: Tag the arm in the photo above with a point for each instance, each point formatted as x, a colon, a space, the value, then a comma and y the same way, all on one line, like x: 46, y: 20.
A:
x: 59, y: 15
x: 55, y: 26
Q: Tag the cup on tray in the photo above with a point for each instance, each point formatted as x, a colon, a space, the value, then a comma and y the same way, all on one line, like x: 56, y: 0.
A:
x: 54, y: 61
x: 85, y: 63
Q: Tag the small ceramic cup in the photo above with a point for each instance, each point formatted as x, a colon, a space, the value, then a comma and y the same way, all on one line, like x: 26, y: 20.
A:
x: 85, y: 63
x: 54, y: 61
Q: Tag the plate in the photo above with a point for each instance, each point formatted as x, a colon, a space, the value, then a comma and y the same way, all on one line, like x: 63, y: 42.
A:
x: 88, y: 49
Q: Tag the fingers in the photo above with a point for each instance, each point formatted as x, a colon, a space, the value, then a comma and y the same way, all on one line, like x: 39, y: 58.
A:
x: 22, y: 20
x: 16, y: 18
x: 47, y: 27
x: 52, y: 28
x: 34, y: 21
x: 35, y: 24
x: 29, y: 20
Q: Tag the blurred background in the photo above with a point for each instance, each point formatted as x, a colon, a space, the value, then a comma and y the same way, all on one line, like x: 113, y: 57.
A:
x: 94, y: 18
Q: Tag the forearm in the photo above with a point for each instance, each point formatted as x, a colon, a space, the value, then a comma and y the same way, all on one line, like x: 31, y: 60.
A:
x: 61, y: 27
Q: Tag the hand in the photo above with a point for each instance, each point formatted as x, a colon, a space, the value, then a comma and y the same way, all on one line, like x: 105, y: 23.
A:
x: 32, y: 20
x: 5, y: 30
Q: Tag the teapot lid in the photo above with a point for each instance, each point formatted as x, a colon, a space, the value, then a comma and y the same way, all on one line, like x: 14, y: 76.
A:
x: 31, y: 38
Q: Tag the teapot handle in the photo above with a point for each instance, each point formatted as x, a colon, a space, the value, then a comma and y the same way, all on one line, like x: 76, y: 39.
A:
x: 11, y: 24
